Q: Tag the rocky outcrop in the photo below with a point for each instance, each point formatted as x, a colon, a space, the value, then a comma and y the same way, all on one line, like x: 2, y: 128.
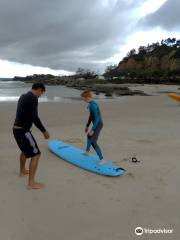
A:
x: 95, y: 85
x: 165, y: 64
x: 155, y: 63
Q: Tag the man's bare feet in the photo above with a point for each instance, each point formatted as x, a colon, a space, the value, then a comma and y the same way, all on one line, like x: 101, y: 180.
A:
x: 24, y: 173
x: 102, y: 162
x: 35, y: 186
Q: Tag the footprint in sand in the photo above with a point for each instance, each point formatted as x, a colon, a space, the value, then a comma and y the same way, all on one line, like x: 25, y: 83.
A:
x: 132, y: 159
x: 157, y: 197
x: 125, y: 159
x: 161, y: 180
x: 146, y: 141
x: 141, y: 140
x: 135, y: 212
x: 131, y: 175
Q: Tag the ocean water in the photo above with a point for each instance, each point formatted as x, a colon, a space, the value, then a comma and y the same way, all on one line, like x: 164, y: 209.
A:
x: 11, y: 90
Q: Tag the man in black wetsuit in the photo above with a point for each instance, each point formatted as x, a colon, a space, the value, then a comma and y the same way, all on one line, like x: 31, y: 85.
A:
x: 26, y: 116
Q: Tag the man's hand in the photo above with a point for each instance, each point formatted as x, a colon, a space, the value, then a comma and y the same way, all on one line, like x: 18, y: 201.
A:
x: 86, y: 129
x: 46, y: 135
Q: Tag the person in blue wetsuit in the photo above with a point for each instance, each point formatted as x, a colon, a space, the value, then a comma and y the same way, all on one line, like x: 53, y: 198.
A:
x: 97, y: 124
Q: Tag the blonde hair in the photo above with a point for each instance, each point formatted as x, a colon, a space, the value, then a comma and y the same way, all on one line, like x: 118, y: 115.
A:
x: 86, y: 94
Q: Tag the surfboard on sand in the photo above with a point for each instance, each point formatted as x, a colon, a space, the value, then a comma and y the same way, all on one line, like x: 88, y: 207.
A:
x: 174, y: 96
x: 75, y: 156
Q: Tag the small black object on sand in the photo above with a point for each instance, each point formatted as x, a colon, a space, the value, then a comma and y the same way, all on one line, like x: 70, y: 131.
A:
x: 135, y: 160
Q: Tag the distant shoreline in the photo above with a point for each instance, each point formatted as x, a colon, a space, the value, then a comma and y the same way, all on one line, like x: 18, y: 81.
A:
x: 6, y: 79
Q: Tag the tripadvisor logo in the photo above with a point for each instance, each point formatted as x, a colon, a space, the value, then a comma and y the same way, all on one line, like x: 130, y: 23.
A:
x: 140, y: 231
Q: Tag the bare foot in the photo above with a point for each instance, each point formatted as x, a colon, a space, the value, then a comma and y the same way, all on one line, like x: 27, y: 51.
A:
x: 35, y: 186
x: 24, y: 173
x: 101, y: 162
x: 86, y: 154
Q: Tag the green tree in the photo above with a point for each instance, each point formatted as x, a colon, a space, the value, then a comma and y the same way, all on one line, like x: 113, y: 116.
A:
x: 110, y: 68
x: 131, y: 53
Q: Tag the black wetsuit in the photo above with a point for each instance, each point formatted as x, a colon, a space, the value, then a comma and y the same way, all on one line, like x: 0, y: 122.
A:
x: 27, y: 112
x: 26, y: 116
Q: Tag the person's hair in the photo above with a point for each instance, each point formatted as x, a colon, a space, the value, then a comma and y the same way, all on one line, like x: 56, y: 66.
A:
x: 37, y: 86
x: 86, y: 94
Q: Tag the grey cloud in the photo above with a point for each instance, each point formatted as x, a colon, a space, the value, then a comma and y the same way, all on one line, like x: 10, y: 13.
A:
x: 63, y: 34
x: 167, y: 16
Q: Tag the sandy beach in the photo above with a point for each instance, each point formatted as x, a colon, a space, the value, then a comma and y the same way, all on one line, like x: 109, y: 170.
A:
x: 79, y: 205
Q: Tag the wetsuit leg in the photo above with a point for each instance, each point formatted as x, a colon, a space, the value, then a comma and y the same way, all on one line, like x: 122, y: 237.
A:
x: 97, y: 149
x: 88, y: 146
x: 92, y: 140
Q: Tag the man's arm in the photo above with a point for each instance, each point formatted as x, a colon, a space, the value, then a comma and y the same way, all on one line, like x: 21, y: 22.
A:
x: 36, y: 120
x: 38, y: 124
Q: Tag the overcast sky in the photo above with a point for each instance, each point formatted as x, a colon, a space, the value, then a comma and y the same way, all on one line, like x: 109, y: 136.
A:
x: 58, y: 36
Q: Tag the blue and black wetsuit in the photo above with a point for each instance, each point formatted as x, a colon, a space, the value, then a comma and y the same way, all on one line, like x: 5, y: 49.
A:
x: 96, y: 119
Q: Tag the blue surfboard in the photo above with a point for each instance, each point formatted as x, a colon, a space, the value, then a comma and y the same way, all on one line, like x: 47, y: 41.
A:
x: 75, y: 156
